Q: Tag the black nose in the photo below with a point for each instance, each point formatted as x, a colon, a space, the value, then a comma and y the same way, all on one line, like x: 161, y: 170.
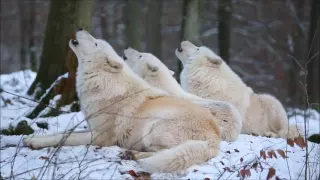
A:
x: 124, y: 57
x: 180, y: 49
x: 127, y: 47
x: 80, y: 29
x: 74, y: 42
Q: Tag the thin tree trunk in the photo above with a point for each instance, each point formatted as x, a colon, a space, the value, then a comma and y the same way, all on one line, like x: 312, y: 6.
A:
x: 132, y: 14
x: 154, y: 27
x: 104, y: 19
x: 313, y: 78
x: 63, y: 19
x: 32, y: 50
x: 295, y: 86
x: 224, y: 27
x: 190, y: 24
x: 23, y: 35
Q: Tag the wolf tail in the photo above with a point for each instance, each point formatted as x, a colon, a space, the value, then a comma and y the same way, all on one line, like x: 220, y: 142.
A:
x: 180, y: 157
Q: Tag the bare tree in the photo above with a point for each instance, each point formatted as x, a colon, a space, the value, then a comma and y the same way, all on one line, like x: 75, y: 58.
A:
x: 57, y: 58
x: 31, y: 43
x: 190, y: 24
x: 313, y: 63
x: 224, y: 26
x: 132, y: 15
x: 104, y: 19
x: 295, y: 77
x: 23, y: 34
x: 154, y: 27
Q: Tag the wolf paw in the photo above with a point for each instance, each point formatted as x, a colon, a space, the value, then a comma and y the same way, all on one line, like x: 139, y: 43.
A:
x: 271, y: 135
x: 127, y: 155
x: 31, y: 142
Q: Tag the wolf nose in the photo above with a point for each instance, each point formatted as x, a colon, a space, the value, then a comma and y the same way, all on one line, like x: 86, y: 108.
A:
x: 180, y: 49
x: 74, y: 42
x: 80, y: 29
x: 124, y: 57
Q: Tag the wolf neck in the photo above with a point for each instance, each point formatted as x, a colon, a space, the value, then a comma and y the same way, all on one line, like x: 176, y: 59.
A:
x: 110, y: 85
x: 170, y: 85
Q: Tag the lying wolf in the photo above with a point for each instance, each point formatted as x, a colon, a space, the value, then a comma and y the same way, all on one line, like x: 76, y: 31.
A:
x: 122, y: 109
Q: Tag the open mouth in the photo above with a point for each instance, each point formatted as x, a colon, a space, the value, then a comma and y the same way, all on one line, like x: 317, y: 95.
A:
x: 74, y: 42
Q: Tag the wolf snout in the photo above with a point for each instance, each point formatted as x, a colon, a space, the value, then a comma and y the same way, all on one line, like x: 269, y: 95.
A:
x: 74, y: 42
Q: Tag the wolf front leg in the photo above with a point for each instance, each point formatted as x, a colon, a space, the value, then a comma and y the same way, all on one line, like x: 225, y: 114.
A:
x: 63, y: 139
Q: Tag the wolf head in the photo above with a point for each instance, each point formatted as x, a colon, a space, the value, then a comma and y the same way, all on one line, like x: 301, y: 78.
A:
x: 188, y: 53
x: 144, y: 64
x: 95, y: 53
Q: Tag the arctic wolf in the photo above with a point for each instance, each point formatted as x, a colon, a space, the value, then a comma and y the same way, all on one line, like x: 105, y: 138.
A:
x: 208, y: 76
x: 152, y: 70
x: 122, y: 109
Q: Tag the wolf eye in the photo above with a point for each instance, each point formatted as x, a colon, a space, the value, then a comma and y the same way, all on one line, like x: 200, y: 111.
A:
x: 140, y: 56
x: 198, y: 49
x: 96, y: 44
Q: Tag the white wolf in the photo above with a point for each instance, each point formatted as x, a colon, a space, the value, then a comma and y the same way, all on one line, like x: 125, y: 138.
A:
x: 122, y: 109
x: 208, y: 76
x: 152, y: 70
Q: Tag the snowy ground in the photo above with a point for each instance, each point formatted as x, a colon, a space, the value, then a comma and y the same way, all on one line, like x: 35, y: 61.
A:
x: 240, y: 157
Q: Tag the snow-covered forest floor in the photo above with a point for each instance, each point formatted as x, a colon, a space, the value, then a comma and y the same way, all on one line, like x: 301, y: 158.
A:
x: 252, y: 156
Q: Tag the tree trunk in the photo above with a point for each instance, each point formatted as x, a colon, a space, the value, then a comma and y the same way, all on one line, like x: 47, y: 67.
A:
x: 63, y: 19
x: 23, y: 34
x: 154, y: 27
x: 32, y: 50
x: 103, y: 19
x: 224, y: 27
x: 296, y: 80
x: 132, y: 14
x: 190, y: 24
x: 313, y: 63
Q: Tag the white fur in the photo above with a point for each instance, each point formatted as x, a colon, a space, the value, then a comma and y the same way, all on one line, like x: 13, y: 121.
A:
x: 152, y: 70
x: 208, y: 76
x: 122, y: 109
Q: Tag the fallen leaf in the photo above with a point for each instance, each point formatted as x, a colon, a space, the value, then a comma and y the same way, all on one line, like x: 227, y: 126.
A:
x: 282, y: 153
x: 263, y: 154
x: 255, y: 165
x: 236, y: 150
x: 44, y: 157
x: 270, y: 154
x: 300, y: 142
x: 245, y: 173
x: 241, y: 159
x: 277, y: 178
x: 195, y: 170
x: 206, y: 179
x: 222, y: 163
x: 290, y: 142
x: 228, y: 152
x: 142, y: 176
x: 274, y: 154
x: 271, y: 173
x: 132, y: 173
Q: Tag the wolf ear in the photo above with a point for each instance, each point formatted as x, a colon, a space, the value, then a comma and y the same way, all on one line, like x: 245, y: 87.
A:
x: 216, y: 61
x: 152, y: 68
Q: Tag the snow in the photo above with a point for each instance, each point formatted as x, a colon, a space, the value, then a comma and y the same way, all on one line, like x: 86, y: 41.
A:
x: 91, y: 162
